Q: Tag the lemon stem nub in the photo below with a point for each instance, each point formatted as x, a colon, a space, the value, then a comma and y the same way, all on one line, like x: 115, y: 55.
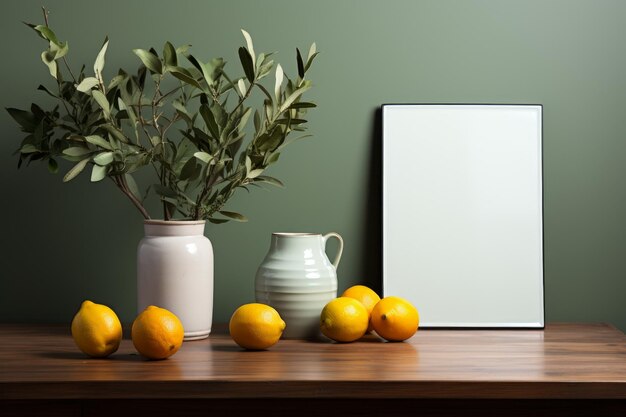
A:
x: 384, y: 317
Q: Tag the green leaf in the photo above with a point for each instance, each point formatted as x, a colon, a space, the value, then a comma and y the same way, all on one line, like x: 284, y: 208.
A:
x: 132, y: 185
x: 244, y: 119
x: 183, y: 49
x: 246, y: 63
x: 98, y: 65
x: 53, y: 166
x: 184, y: 75
x: 149, y: 60
x: 104, y: 158
x: 182, y: 112
x: 44, y: 88
x: 257, y: 121
x: 204, y: 70
x: 38, y: 112
x: 209, y: 120
x: 269, y: 180
x: 114, y: 131
x: 218, y: 221
x: 87, y: 84
x: 99, y: 141
x: 127, y: 99
x: 300, y: 63
x: 310, y: 61
x: 273, y: 158
x: 133, y: 164
x: 24, y: 118
x: 47, y: 34
x: 221, y: 117
x: 250, y: 45
x: 302, y: 105
x: 76, y: 151
x: 190, y: 170
x: 28, y: 148
x: 102, y: 101
x: 255, y: 173
x: 230, y: 84
x: 98, y: 173
x: 279, y: 82
x: 201, y: 138
x: 312, y: 51
x: 180, y: 107
x: 293, y: 97
x: 235, y: 216
x: 141, y: 76
x: 76, y: 169
x: 264, y: 69
x: 290, y: 122
x: 48, y: 58
x: 290, y: 140
x: 184, y: 151
x: 117, y: 80
x: 216, y: 65
x: 261, y: 59
x: 164, y: 191
x: 59, y: 51
x: 169, y: 55
x: 241, y: 84
x: 203, y: 156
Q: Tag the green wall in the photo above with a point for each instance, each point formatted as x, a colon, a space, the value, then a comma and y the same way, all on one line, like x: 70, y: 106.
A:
x: 62, y: 243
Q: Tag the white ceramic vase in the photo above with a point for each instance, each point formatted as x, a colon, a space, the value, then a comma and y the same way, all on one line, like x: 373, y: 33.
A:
x: 297, y: 279
x: 175, y: 272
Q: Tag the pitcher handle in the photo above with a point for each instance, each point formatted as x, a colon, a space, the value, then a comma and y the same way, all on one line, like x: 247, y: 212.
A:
x: 340, y: 251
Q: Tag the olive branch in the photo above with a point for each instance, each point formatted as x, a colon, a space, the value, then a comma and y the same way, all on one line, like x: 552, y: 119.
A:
x: 184, y: 117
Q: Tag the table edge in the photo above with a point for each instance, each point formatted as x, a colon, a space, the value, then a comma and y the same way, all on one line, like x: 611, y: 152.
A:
x: 223, y: 389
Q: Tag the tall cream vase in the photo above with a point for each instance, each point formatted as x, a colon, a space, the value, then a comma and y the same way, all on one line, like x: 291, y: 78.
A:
x: 175, y: 272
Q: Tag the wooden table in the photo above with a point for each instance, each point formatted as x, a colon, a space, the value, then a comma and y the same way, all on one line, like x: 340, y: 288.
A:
x: 568, y: 369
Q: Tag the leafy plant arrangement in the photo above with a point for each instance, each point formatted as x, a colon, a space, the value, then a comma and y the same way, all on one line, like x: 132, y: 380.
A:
x: 189, y: 123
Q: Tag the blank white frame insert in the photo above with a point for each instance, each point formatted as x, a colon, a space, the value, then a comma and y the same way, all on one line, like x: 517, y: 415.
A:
x: 463, y: 213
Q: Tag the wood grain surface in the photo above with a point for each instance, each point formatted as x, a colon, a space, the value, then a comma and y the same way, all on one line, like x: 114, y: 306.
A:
x: 566, y: 361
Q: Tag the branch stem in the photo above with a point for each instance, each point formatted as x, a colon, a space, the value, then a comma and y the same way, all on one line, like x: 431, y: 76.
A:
x: 120, y: 181
x: 241, y: 100
x: 70, y: 71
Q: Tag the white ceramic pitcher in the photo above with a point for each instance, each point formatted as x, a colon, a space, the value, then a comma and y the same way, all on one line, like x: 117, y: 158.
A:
x: 297, y: 279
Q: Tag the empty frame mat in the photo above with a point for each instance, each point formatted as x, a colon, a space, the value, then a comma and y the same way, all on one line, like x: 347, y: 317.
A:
x: 462, y: 213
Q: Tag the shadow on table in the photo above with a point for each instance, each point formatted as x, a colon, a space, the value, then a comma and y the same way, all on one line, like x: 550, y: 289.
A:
x: 130, y: 357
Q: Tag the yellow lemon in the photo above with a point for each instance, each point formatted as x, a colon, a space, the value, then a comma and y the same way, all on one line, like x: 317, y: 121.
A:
x: 96, y: 330
x: 344, y: 319
x: 157, y: 333
x: 366, y: 296
x: 395, y: 319
x: 256, y: 326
